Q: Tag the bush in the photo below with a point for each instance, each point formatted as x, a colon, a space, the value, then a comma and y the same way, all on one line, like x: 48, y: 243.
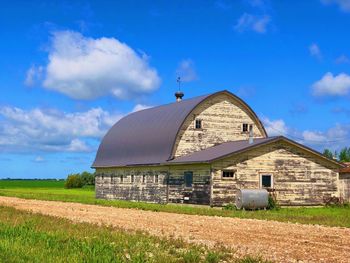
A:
x: 74, y: 181
x: 272, y: 203
x: 88, y: 178
x: 229, y: 206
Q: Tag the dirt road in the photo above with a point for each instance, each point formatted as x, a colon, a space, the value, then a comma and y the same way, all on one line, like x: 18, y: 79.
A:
x: 281, y: 242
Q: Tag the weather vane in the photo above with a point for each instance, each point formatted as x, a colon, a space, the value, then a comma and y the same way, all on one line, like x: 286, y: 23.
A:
x: 178, y: 80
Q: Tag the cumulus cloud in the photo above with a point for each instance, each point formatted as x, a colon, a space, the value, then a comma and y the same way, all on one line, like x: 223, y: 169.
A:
x: 330, y: 85
x: 39, y: 159
x: 52, y: 130
x: 342, y: 60
x: 334, y: 138
x: 33, y: 75
x: 315, y: 51
x: 275, y: 127
x: 139, y: 107
x: 186, y: 70
x: 344, y: 5
x: 252, y: 22
x: 87, y: 68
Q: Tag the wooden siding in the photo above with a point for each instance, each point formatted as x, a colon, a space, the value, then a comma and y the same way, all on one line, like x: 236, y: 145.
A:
x: 222, y: 119
x: 299, y: 177
x: 344, y: 186
x: 170, y: 187
x: 199, y: 193
x: 115, y: 183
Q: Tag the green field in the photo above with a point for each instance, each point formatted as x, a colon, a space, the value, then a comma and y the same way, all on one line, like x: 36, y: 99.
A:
x: 26, y: 237
x: 53, y: 190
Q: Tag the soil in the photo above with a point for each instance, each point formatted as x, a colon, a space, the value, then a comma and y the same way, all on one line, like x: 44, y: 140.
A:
x: 276, y: 241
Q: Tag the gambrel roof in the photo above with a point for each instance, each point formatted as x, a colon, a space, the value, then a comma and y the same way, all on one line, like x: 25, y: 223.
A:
x: 148, y: 136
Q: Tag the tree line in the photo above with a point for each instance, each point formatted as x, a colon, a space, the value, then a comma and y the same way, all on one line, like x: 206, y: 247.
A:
x: 342, y: 156
x: 80, y: 180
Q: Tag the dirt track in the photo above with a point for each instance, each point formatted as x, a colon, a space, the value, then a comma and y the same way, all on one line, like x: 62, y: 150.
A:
x: 281, y: 242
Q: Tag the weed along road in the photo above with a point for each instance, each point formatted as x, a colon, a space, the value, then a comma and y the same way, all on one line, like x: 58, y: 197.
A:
x: 280, y: 242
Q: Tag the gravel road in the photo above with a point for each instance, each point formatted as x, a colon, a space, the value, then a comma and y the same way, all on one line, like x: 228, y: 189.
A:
x: 280, y: 242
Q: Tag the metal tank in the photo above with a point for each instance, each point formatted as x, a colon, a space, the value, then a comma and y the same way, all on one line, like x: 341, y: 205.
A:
x: 252, y: 198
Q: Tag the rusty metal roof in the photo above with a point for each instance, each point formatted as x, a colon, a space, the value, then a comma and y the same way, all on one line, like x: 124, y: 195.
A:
x: 346, y: 169
x: 148, y: 136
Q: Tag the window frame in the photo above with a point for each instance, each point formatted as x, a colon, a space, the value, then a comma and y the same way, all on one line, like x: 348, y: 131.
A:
x: 233, y: 171
x: 143, y: 179
x: 261, y: 180
x: 243, y: 127
x: 185, y: 181
x: 200, y: 122
x: 156, y: 178
x: 132, y: 179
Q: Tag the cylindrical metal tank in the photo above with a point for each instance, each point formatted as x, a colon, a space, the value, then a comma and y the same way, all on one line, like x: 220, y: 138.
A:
x: 252, y: 198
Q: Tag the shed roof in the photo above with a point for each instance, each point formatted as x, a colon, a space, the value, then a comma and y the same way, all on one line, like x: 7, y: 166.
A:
x: 221, y: 150
x: 148, y: 136
x: 229, y: 148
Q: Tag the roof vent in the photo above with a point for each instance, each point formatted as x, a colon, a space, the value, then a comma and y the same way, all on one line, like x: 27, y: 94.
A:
x: 179, y: 95
x: 251, y: 135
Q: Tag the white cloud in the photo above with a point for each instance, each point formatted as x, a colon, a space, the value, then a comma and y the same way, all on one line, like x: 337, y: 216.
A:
x: 334, y: 138
x: 77, y: 145
x: 315, y: 51
x: 275, y: 127
x: 52, y: 130
x: 86, y: 68
x: 342, y: 60
x: 251, y: 22
x: 186, y: 71
x: 39, y: 159
x: 331, y: 85
x: 139, y: 107
x: 314, y: 136
x: 34, y: 74
x: 344, y: 5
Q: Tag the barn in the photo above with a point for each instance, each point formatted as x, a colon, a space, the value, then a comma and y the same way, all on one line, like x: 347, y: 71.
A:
x: 201, y: 151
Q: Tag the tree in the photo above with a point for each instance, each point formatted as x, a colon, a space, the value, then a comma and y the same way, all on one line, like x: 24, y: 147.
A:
x: 88, y: 178
x: 74, y: 181
x: 328, y: 153
x: 344, y: 154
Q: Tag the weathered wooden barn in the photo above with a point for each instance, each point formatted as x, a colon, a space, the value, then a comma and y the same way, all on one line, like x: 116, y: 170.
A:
x: 201, y: 150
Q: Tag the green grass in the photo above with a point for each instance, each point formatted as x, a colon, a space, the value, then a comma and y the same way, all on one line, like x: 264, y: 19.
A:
x: 26, y: 237
x: 329, y: 216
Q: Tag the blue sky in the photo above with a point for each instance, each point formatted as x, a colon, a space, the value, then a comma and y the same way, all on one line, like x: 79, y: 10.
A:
x: 70, y: 69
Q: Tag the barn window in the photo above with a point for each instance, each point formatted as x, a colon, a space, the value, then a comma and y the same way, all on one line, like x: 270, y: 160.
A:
x: 121, y: 179
x: 228, y: 174
x: 143, y: 178
x: 266, y: 181
x: 245, y: 127
x: 156, y: 178
x: 188, y: 178
x: 198, y: 124
x: 132, y: 178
